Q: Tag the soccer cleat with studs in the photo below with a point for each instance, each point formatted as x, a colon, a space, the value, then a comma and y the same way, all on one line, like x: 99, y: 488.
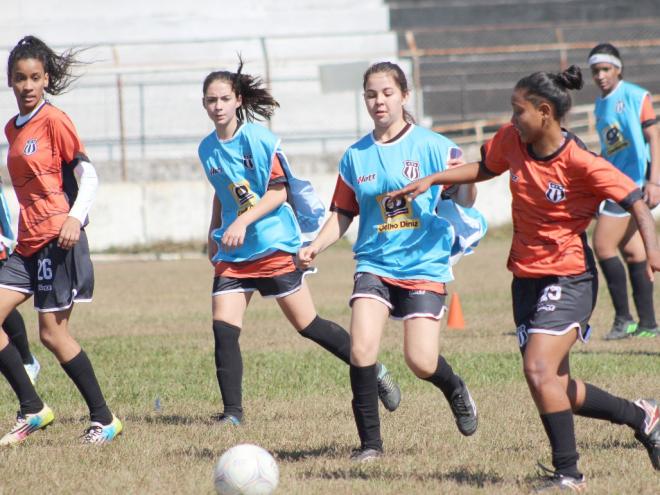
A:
x: 464, y: 410
x: 388, y: 390
x: 622, y: 328
x: 554, y: 482
x: 648, y: 333
x: 649, y: 434
x: 99, y: 434
x: 26, y: 424
x: 366, y: 454
x: 227, y: 419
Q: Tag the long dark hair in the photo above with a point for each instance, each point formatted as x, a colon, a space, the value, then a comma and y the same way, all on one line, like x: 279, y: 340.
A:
x: 399, y: 78
x: 552, y: 88
x: 57, y: 66
x: 257, y: 103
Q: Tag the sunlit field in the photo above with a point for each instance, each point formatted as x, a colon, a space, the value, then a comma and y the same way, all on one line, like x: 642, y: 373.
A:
x: 148, y: 333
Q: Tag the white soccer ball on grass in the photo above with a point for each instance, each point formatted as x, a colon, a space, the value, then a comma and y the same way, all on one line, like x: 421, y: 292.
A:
x: 246, y: 469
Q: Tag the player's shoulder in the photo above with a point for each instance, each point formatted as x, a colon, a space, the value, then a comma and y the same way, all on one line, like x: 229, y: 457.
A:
x: 257, y: 131
x: 579, y: 153
x: 633, y: 88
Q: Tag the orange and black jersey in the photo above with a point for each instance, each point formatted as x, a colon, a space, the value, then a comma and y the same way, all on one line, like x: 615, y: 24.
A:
x: 42, y: 154
x: 554, y: 199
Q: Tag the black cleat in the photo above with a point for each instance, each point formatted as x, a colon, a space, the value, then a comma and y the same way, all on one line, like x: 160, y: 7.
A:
x: 365, y: 454
x: 553, y: 482
x: 464, y: 410
x: 388, y: 390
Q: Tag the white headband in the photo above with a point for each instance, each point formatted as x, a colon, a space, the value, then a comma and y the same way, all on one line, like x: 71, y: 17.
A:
x: 600, y: 58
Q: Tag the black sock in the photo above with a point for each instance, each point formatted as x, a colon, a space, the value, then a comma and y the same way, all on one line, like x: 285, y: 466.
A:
x: 617, y: 284
x: 561, y: 432
x: 229, y: 367
x: 599, y: 404
x: 330, y: 336
x: 642, y: 289
x: 14, y: 327
x: 12, y: 367
x: 365, y: 405
x: 82, y: 374
x: 444, y: 378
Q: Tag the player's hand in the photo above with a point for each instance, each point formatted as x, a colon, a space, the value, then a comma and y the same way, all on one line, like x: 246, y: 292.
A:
x: 234, y: 236
x: 69, y: 233
x: 652, y: 194
x: 306, y: 256
x: 653, y: 263
x: 412, y: 190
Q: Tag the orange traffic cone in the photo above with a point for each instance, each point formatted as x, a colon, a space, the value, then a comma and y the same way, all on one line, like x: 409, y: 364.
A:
x: 455, y: 318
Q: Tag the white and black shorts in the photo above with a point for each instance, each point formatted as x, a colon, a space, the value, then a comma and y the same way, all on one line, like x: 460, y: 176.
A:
x: 56, y: 277
x: 554, y: 305
x: 402, y: 303
x: 278, y: 286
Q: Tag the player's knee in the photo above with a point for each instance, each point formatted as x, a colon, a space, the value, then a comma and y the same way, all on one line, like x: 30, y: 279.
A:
x: 362, y: 354
x: 422, y: 366
x: 225, y: 334
x: 536, y: 373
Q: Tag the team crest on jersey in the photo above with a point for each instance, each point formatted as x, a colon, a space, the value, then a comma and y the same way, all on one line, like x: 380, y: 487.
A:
x: 411, y: 169
x: 30, y: 147
x: 555, y: 192
x: 397, y: 214
x: 620, y: 106
x: 248, y: 162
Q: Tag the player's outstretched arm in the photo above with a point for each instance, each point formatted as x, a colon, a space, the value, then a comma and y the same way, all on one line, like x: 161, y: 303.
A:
x: 646, y: 225
x: 464, y: 174
x: 334, y: 227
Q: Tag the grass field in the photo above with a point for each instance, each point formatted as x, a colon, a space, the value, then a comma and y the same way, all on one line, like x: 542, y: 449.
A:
x: 148, y: 335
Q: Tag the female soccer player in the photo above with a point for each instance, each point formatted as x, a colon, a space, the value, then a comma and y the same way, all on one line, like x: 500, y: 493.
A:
x: 403, y: 252
x: 51, y: 260
x: 556, y: 186
x: 254, y: 232
x: 14, y: 326
x: 630, y: 139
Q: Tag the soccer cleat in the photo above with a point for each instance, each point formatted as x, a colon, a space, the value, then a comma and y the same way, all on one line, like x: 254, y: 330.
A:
x: 364, y: 454
x: 226, y: 419
x: 28, y: 424
x: 645, y: 332
x: 99, y: 434
x: 32, y: 369
x: 649, y: 435
x: 464, y: 410
x: 560, y: 482
x: 622, y: 328
x: 388, y: 390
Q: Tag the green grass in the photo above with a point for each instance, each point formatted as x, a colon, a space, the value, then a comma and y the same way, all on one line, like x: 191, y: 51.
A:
x: 148, y: 334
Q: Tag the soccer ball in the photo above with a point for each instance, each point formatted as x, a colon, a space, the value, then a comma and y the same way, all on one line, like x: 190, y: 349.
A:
x: 246, y: 469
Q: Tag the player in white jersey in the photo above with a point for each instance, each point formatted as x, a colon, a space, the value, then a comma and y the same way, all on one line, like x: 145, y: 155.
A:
x: 630, y: 140
x: 402, y: 251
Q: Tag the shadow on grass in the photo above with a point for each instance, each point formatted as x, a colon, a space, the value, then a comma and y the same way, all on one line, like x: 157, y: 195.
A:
x: 169, y: 419
x: 299, y: 455
x: 462, y: 476
x: 195, y: 453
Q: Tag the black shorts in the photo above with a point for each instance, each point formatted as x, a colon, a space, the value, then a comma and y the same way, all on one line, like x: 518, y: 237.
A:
x: 56, y: 277
x: 279, y: 286
x: 402, y: 303
x: 554, y: 305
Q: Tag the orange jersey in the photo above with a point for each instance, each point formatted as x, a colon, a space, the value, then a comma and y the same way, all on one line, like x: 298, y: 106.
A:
x: 40, y: 160
x: 647, y: 116
x: 272, y: 265
x: 553, y: 201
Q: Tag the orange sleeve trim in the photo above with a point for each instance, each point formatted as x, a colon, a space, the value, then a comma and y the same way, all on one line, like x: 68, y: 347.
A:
x: 648, y: 113
x: 344, y: 198
x: 276, y: 171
